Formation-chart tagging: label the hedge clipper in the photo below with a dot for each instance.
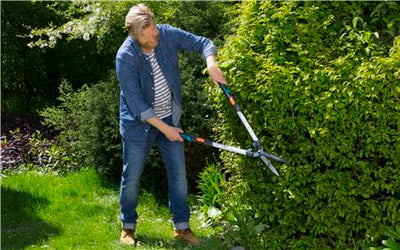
(259, 153)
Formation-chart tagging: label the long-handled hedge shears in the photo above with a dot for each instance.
(259, 153)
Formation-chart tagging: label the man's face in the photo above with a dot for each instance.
(148, 38)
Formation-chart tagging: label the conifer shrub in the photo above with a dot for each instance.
(320, 84)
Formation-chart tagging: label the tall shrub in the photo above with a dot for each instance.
(319, 81)
(88, 123)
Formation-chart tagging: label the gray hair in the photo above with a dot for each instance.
(138, 18)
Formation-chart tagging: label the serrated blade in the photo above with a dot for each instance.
(268, 163)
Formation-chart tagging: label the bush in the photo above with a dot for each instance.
(88, 123)
(319, 81)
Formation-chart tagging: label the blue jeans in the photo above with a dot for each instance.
(135, 152)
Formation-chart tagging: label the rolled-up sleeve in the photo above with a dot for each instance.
(128, 78)
(147, 114)
(188, 41)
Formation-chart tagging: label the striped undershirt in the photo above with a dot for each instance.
(162, 93)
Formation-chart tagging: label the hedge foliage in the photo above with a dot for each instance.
(320, 83)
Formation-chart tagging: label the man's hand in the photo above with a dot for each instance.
(216, 75)
(173, 133)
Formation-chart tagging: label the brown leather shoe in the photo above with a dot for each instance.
(187, 235)
(127, 237)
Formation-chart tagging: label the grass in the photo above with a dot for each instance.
(77, 211)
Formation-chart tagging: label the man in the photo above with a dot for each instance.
(150, 110)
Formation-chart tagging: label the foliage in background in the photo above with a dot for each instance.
(30, 76)
(319, 81)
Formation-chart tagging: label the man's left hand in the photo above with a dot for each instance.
(216, 75)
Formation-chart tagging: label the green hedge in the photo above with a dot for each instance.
(319, 81)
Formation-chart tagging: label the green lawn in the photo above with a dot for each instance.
(78, 212)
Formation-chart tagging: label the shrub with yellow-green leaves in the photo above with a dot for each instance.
(320, 84)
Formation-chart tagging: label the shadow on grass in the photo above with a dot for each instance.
(20, 225)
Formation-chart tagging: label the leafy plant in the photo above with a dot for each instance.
(243, 225)
(25, 150)
(319, 83)
(393, 240)
(210, 184)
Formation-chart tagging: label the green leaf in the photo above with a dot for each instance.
(391, 244)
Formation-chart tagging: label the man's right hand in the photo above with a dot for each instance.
(172, 133)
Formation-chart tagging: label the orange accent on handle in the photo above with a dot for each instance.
(232, 101)
(201, 140)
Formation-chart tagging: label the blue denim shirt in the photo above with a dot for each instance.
(135, 76)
